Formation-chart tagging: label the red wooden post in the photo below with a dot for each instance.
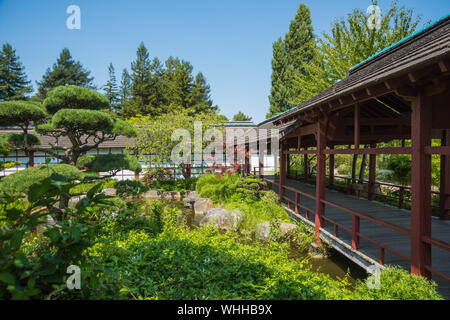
(445, 179)
(247, 159)
(282, 171)
(188, 170)
(372, 174)
(355, 231)
(331, 170)
(320, 178)
(136, 175)
(297, 203)
(306, 166)
(421, 186)
(381, 256)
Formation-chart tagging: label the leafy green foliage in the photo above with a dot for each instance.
(109, 162)
(37, 269)
(20, 113)
(222, 188)
(130, 188)
(155, 133)
(398, 284)
(351, 42)
(240, 116)
(74, 97)
(14, 185)
(401, 168)
(16, 140)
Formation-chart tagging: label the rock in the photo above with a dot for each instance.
(110, 192)
(74, 200)
(236, 218)
(192, 195)
(263, 231)
(218, 217)
(201, 206)
(172, 196)
(287, 229)
(152, 195)
(190, 198)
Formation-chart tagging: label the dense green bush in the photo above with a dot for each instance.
(398, 284)
(204, 264)
(33, 263)
(14, 185)
(181, 185)
(130, 188)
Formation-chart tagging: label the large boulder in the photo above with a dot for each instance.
(218, 217)
(202, 205)
(110, 192)
(171, 196)
(287, 229)
(236, 218)
(152, 195)
(190, 198)
(263, 231)
(74, 200)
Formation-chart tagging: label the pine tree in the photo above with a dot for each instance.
(241, 117)
(178, 80)
(14, 84)
(201, 95)
(125, 87)
(140, 84)
(66, 71)
(279, 94)
(290, 55)
(111, 89)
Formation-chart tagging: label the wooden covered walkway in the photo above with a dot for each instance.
(375, 241)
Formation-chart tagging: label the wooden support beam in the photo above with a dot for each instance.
(320, 179)
(372, 174)
(282, 171)
(331, 170)
(357, 126)
(420, 186)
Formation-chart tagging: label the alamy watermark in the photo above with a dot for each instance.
(374, 281)
(74, 280)
(374, 19)
(234, 142)
(73, 22)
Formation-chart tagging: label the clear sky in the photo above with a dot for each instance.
(229, 41)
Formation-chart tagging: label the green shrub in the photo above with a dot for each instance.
(130, 188)
(398, 284)
(14, 185)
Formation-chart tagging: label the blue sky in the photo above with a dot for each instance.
(229, 41)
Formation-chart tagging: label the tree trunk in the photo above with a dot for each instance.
(362, 169)
(355, 160)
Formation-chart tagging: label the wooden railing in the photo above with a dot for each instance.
(296, 205)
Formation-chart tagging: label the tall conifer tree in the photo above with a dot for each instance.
(111, 89)
(66, 71)
(14, 84)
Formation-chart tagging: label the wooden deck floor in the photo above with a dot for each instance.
(390, 238)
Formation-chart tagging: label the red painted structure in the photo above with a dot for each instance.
(401, 94)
